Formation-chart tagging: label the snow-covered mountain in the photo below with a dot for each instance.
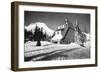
(46, 29)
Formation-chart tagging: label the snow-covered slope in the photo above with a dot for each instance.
(31, 50)
(46, 29)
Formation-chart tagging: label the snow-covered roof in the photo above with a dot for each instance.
(60, 27)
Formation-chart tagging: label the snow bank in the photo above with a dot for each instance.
(36, 50)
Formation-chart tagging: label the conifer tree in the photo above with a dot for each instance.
(38, 35)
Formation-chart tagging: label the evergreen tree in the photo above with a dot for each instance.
(28, 35)
(35, 37)
(44, 36)
(25, 35)
(38, 35)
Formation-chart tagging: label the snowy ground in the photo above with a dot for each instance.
(51, 51)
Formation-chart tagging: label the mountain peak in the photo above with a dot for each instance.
(46, 29)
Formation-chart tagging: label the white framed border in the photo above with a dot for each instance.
(23, 64)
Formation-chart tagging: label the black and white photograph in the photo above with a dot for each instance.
(56, 36)
(51, 36)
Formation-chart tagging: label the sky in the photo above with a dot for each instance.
(53, 19)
